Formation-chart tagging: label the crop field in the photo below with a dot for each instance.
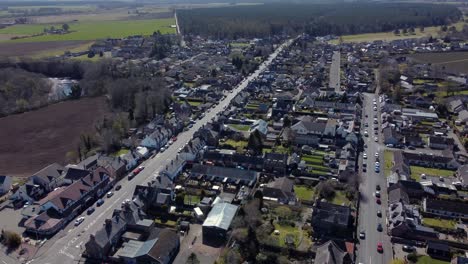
(45, 135)
(40, 49)
(389, 36)
(93, 30)
(452, 61)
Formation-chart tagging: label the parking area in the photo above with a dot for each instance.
(10, 219)
(192, 242)
(399, 253)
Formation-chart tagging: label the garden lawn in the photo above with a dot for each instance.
(304, 192)
(416, 172)
(93, 30)
(235, 144)
(340, 198)
(388, 161)
(120, 152)
(429, 260)
(165, 222)
(240, 127)
(284, 231)
(194, 103)
(435, 222)
(191, 199)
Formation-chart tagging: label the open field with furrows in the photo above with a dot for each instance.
(39, 49)
(92, 30)
(389, 36)
(456, 62)
(31, 140)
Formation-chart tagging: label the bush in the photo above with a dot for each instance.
(11, 239)
(412, 257)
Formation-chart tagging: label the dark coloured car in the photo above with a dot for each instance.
(377, 187)
(378, 201)
(90, 210)
(100, 202)
(118, 187)
(379, 227)
(379, 213)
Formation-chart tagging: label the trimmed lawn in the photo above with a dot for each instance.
(165, 222)
(340, 198)
(429, 260)
(284, 231)
(312, 159)
(416, 172)
(303, 192)
(239, 44)
(435, 222)
(240, 127)
(388, 161)
(191, 199)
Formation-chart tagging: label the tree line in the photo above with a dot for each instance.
(314, 19)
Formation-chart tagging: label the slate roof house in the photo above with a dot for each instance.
(280, 190)
(64, 203)
(233, 159)
(225, 175)
(330, 253)
(446, 208)
(5, 184)
(49, 177)
(331, 220)
(104, 242)
(436, 142)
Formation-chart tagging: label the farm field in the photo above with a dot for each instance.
(452, 61)
(40, 49)
(92, 30)
(389, 36)
(45, 135)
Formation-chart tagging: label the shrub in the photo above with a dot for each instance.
(11, 239)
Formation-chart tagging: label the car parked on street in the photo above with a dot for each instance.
(100, 202)
(79, 220)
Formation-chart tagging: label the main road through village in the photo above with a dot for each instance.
(68, 245)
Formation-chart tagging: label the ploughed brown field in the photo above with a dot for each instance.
(34, 48)
(455, 62)
(32, 140)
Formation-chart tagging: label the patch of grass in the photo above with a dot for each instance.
(252, 106)
(194, 103)
(191, 199)
(416, 172)
(286, 230)
(239, 127)
(93, 30)
(236, 144)
(388, 161)
(429, 260)
(304, 192)
(442, 223)
(165, 222)
(340, 198)
(239, 44)
(120, 152)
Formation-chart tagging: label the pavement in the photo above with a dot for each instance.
(68, 245)
(368, 220)
(335, 73)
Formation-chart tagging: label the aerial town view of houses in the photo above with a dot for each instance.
(204, 141)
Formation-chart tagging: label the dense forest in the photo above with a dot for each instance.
(315, 19)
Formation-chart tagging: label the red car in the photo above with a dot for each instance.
(174, 139)
(379, 247)
(138, 170)
(378, 201)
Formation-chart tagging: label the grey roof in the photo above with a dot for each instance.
(133, 249)
(223, 172)
(330, 253)
(2, 178)
(221, 216)
(106, 234)
(50, 172)
(331, 213)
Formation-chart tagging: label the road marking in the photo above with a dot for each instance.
(370, 260)
(63, 252)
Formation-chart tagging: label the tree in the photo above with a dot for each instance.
(444, 28)
(214, 73)
(11, 239)
(91, 54)
(405, 31)
(75, 92)
(255, 144)
(283, 212)
(179, 200)
(326, 190)
(193, 259)
(65, 27)
(259, 195)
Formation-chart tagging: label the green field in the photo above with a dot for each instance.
(93, 30)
